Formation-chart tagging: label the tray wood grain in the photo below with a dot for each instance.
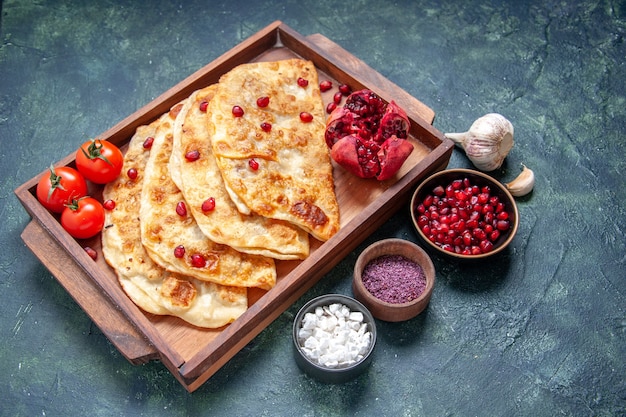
(192, 354)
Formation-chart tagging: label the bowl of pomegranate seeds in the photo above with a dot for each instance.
(394, 279)
(464, 214)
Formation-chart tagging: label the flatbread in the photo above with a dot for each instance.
(163, 229)
(294, 179)
(150, 287)
(201, 179)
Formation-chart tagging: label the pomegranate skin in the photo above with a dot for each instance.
(392, 155)
(368, 136)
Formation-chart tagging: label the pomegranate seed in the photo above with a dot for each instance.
(337, 97)
(261, 102)
(325, 86)
(503, 215)
(203, 106)
(91, 252)
(181, 209)
(179, 251)
(147, 144)
(345, 89)
(237, 111)
(253, 164)
(439, 191)
(109, 205)
(306, 117)
(208, 205)
(502, 225)
(331, 107)
(198, 261)
(192, 155)
(485, 246)
(493, 236)
(303, 82)
(132, 173)
(266, 127)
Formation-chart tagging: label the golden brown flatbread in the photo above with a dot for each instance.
(164, 228)
(291, 175)
(200, 180)
(203, 304)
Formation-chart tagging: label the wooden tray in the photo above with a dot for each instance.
(192, 354)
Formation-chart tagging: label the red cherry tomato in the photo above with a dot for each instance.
(59, 187)
(99, 161)
(84, 218)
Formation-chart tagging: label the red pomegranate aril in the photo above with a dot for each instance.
(179, 251)
(483, 198)
(499, 207)
(253, 164)
(325, 86)
(330, 107)
(426, 229)
(203, 106)
(488, 218)
(428, 201)
(91, 252)
(198, 261)
(237, 111)
(422, 220)
(261, 102)
(439, 191)
(337, 97)
(467, 238)
(132, 173)
(485, 246)
(493, 236)
(303, 82)
(503, 215)
(181, 209)
(457, 184)
(488, 228)
(479, 234)
(502, 225)
(266, 127)
(192, 155)
(109, 205)
(421, 209)
(345, 89)
(306, 117)
(208, 205)
(147, 144)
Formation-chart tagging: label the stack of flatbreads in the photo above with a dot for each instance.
(218, 197)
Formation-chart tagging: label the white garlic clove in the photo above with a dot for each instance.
(523, 184)
(487, 142)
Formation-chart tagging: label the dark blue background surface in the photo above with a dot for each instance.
(540, 330)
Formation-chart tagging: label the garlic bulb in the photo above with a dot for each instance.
(487, 142)
(523, 184)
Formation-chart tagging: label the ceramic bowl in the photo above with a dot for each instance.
(341, 373)
(480, 179)
(393, 311)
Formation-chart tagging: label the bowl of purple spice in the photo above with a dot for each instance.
(394, 279)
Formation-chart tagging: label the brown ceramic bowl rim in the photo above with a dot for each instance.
(459, 173)
(425, 262)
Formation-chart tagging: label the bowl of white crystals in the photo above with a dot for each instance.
(334, 336)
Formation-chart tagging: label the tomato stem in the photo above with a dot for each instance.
(94, 151)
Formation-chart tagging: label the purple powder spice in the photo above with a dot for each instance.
(394, 279)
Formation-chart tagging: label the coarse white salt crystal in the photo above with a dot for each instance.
(334, 336)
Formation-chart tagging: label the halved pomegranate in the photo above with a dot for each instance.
(368, 136)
